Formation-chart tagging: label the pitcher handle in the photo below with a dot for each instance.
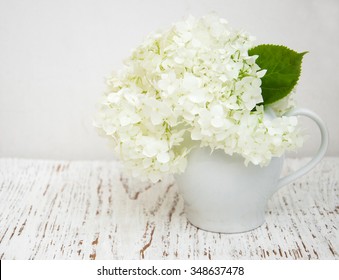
(321, 151)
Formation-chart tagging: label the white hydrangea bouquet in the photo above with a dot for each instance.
(200, 83)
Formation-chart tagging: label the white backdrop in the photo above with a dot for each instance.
(54, 56)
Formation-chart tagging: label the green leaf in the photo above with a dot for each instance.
(283, 70)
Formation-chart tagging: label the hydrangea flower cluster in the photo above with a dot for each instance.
(192, 85)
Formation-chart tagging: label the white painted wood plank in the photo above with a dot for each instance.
(89, 210)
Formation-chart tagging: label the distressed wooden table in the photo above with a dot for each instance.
(90, 210)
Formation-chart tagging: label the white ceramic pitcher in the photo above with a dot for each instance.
(222, 195)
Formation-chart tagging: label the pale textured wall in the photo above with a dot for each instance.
(54, 56)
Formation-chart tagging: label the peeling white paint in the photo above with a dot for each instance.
(89, 210)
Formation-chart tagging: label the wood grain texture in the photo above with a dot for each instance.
(90, 210)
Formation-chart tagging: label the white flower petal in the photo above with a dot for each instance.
(190, 82)
(163, 157)
(217, 122)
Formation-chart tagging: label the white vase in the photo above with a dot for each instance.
(222, 195)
